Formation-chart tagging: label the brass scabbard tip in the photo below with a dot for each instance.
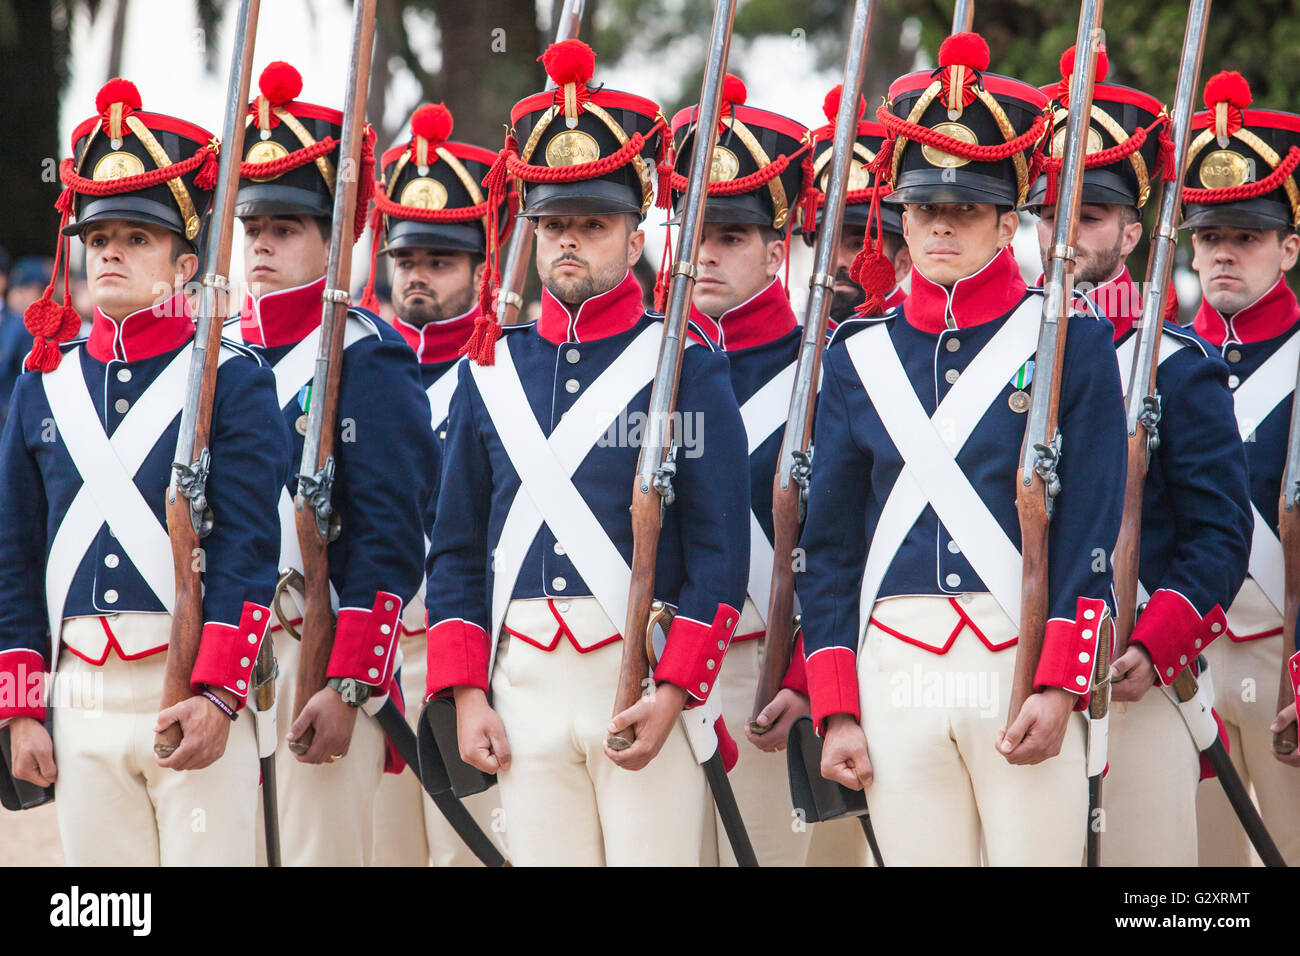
(298, 747)
(163, 750)
(617, 743)
(758, 728)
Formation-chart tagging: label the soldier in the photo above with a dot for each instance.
(385, 460)
(86, 580)
(1195, 507)
(533, 541)
(1244, 242)
(429, 185)
(862, 182)
(740, 298)
(841, 842)
(937, 389)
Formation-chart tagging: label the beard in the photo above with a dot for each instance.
(843, 303)
(1101, 267)
(431, 308)
(576, 290)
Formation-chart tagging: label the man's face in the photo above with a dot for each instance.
(950, 241)
(1103, 241)
(1237, 266)
(129, 266)
(579, 257)
(430, 285)
(735, 264)
(282, 252)
(848, 295)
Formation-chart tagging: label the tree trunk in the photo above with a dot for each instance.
(29, 145)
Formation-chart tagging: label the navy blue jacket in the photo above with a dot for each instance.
(704, 545)
(38, 482)
(856, 464)
(385, 455)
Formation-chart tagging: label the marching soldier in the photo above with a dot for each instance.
(740, 298)
(85, 464)
(1244, 240)
(862, 182)
(1195, 509)
(438, 254)
(532, 543)
(919, 430)
(385, 462)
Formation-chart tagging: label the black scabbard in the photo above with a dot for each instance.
(18, 794)
(1093, 853)
(725, 800)
(270, 811)
(448, 804)
(1242, 804)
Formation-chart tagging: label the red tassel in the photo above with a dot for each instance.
(1171, 304)
(481, 347)
(807, 202)
(207, 175)
(1165, 156)
(50, 325)
(873, 271)
(64, 204)
(665, 267)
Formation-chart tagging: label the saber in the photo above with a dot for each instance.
(189, 518)
(514, 268)
(1199, 717)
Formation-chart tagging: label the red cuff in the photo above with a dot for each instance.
(365, 642)
(22, 684)
(1173, 632)
(693, 653)
(796, 675)
(228, 653)
(457, 656)
(1293, 671)
(832, 684)
(1069, 653)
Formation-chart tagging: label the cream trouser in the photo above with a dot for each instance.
(327, 811)
(941, 789)
(1149, 792)
(1246, 678)
(564, 803)
(116, 806)
(760, 780)
(409, 830)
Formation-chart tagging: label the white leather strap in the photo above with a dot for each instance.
(930, 474)
(1169, 344)
(440, 393)
(112, 496)
(545, 465)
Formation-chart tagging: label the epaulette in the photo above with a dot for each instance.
(239, 348)
(367, 317)
(697, 334)
(1190, 337)
(68, 346)
(515, 327)
(855, 324)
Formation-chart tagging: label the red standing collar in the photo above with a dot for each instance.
(761, 319)
(1267, 317)
(142, 334)
(986, 295)
(283, 317)
(601, 316)
(1119, 300)
(438, 341)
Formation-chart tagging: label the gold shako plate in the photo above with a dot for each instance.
(117, 166)
(937, 157)
(571, 148)
(265, 151)
(424, 193)
(1223, 168)
(724, 165)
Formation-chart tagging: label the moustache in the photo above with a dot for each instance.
(844, 275)
(568, 258)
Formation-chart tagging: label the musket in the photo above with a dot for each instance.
(652, 489)
(1141, 398)
(1288, 522)
(963, 16)
(189, 519)
(315, 518)
(514, 268)
(790, 484)
(1037, 482)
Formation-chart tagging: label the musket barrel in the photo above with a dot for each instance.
(963, 16)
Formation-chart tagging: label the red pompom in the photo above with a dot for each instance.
(964, 49)
(1229, 86)
(1103, 64)
(569, 61)
(432, 121)
(117, 90)
(831, 105)
(44, 318)
(280, 82)
(733, 90)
